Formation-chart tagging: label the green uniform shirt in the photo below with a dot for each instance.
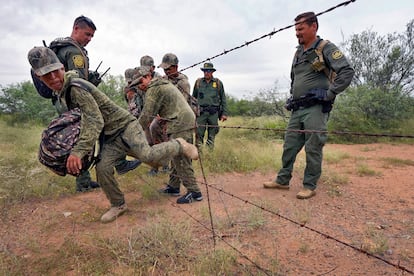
(73, 59)
(98, 113)
(304, 77)
(163, 98)
(210, 94)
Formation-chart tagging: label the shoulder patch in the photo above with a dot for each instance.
(78, 61)
(337, 54)
(214, 84)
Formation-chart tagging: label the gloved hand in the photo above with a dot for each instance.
(322, 94)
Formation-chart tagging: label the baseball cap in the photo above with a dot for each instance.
(208, 66)
(43, 60)
(140, 72)
(146, 61)
(129, 74)
(168, 60)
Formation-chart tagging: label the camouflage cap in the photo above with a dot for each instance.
(129, 74)
(168, 60)
(146, 61)
(208, 66)
(43, 60)
(140, 72)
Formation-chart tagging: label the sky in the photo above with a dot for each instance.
(194, 31)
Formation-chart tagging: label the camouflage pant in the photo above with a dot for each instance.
(206, 118)
(310, 118)
(182, 168)
(133, 143)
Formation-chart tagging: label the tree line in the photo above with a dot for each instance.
(380, 98)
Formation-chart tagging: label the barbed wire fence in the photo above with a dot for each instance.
(221, 191)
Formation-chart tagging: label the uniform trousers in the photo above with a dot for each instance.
(307, 119)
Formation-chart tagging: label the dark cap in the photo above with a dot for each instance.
(146, 61)
(208, 66)
(168, 60)
(129, 74)
(43, 60)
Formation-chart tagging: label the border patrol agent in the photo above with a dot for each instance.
(211, 97)
(319, 72)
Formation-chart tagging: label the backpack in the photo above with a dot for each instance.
(57, 142)
(61, 136)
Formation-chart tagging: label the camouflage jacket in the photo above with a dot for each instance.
(163, 98)
(182, 83)
(99, 113)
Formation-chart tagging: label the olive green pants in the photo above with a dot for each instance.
(307, 119)
(204, 119)
(132, 142)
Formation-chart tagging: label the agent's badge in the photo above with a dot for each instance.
(337, 54)
(214, 84)
(78, 61)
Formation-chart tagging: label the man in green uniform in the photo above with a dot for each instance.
(312, 94)
(123, 135)
(164, 99)
(209, 92)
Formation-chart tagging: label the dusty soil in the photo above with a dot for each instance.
(361, 222)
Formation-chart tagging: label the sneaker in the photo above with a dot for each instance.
(152, 172)
(127, 166)
(91, 185)
(170, 191)
(94, 185)
(113, 213)
(189, 150)
(190, 197)
(305, 193)
(274, 185)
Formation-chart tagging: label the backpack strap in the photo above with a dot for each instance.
(96, 156)
(76, 83)
(60, 42)
(330, 74)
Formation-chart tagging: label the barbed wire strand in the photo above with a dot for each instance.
(221, 190)
(247, 43)
(206, 227)
(332, 132)
(286, 218)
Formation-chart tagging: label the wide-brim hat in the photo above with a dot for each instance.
(208, 66)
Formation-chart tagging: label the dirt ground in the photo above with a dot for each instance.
(361, 222)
